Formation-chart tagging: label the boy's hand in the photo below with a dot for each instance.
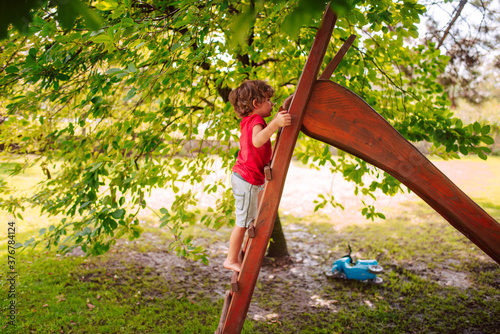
(261, 135)
(283, 118)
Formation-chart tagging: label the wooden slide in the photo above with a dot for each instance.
(333, 114)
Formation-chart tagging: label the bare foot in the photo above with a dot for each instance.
(236, 266)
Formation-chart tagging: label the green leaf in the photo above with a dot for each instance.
(175, 46)
(118, 214)
(86, 231)
(413, 32)
(131, 68)
(485, 129)
(92, 20)
(241, 25)
(477, 127)
(130, 94)
(11, 69)
(463, 150)
(487, 140)
(307, 10)
(107, 5)
(96, 100)
(67, 14)
(114, 70)
(163, 222)
(29, 242)
(96, 166)
(69, 10)
(102, 38)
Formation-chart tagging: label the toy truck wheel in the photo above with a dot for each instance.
(375, 269)
(334, 274)
(376, 281)
(337, 273)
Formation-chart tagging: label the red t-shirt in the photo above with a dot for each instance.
(251, 160)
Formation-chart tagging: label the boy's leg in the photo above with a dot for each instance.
(233, 261)
(246, 204)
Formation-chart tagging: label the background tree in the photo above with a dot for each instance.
(468, 32)
(109, 113)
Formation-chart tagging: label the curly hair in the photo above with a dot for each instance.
(242, 97)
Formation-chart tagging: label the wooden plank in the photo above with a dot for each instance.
(225, 307)
(337, 116)
(272, 192)
(327, 73)
(234, 283)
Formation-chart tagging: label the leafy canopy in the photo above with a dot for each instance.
(141, 103)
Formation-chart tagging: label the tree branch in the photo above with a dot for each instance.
(452, 22)
(265, 61)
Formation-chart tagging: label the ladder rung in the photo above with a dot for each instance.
(234, 282)
(268, 173)
(251, 229)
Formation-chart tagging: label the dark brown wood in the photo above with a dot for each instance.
(277, 247)
(251, 229)
(337, 116)
(225, 307)
(327, 73)
(268, 173)
(234, 282)
(272, 192)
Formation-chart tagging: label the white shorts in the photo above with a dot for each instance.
(246, 198)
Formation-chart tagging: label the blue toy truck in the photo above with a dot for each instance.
(362, 270)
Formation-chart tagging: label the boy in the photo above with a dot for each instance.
(251, 101)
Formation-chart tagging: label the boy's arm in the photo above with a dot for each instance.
(261, 135)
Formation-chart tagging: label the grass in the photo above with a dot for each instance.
(67, 294)
(124, 291)
(417, 255)
(23, 184)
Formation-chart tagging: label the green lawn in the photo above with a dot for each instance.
(436, 281)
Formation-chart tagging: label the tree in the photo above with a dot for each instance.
(20, 14)
(467, 32)
(114, 108)
(277, 247)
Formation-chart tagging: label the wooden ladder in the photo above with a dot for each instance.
(333, 114)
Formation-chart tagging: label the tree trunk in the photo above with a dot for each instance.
(277, 247)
